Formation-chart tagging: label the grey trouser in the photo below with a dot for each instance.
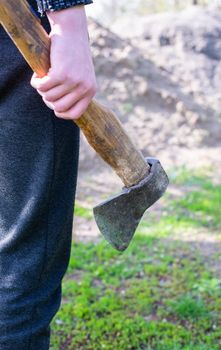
(38, 170)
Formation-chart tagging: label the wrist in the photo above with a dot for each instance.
(68, 20)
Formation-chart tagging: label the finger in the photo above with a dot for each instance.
(55, 93)
(49, 105)
(67, 102)
(44, 84)
(75, 111)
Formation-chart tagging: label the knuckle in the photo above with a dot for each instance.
(45, 96)
(88, 87)
(59, 80)
(42, 88)
(59, 107)
(48, 96)
(49, 105)
(58, 77)
(85, 85)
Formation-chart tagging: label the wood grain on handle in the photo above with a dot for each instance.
(101, 127)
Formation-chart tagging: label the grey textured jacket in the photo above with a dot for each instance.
(54, 5)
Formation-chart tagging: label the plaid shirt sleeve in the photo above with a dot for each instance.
(54, 5)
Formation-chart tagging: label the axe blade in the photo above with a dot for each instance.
(118, 217)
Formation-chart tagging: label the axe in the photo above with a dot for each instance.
(144, 179)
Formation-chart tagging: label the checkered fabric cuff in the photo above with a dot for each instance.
(55, 5)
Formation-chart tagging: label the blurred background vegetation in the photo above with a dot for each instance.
(149, 6)
(107, 11)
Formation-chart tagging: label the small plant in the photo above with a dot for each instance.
(188, 307)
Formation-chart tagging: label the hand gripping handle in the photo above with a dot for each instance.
(101, 127)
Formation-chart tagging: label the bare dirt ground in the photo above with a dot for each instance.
(162, 77)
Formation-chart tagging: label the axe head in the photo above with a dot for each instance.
(118, 217)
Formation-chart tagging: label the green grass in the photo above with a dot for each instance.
(83, 212)
(200, 205)
(160, 294)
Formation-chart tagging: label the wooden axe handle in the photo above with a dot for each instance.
(101, 127)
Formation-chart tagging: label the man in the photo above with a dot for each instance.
(38, 170)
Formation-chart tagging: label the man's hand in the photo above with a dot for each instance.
(70, 83)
